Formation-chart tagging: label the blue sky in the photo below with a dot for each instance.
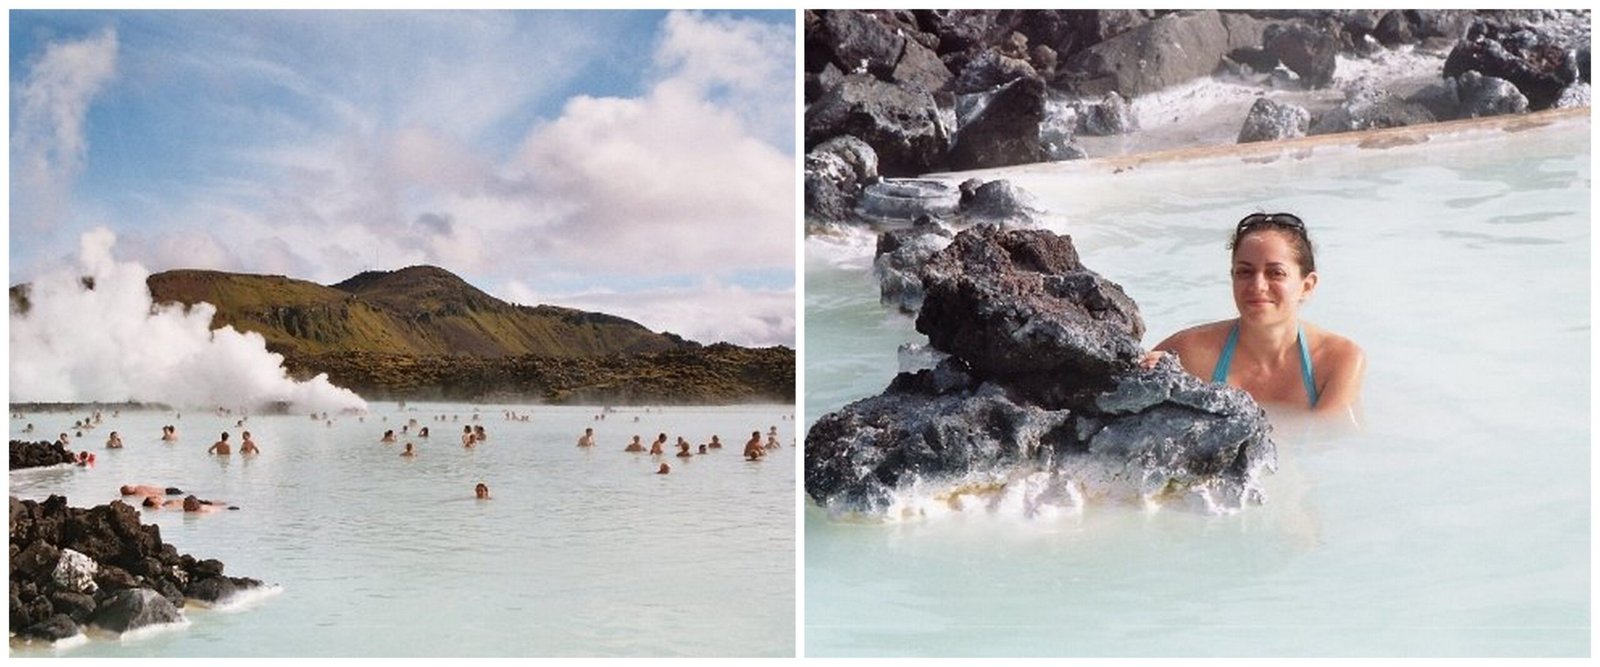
(638, 163)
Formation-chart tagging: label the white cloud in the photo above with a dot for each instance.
(48, 145)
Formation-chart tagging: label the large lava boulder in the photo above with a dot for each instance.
(903, 126)
(1019, 305)
(133, 609)
(1538, 64)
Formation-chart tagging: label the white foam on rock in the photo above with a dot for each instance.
(242, 601)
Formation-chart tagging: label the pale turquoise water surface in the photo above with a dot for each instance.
(580, 552)
(1456, 524)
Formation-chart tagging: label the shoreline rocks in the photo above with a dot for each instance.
(1037, 398)
(929, 90)
(39, 454)
(74, 567)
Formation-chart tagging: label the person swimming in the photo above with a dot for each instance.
(249, 446)
(658, 447)
(683, 449)
(482, 491)
(702, 449)
(409, 451)
(468, 439)
(715, 443)
(752, 447)
(388, 436)
(664, 469)
(587, 440)
(114, 442)
(635, 446)
(221, 447)
(1268, 351)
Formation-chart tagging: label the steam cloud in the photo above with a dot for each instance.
(110, 343)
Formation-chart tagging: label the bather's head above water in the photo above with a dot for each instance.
(1272, 269)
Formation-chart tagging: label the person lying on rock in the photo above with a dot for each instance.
(149, 490)
(1268, 351)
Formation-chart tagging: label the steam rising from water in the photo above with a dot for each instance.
(110, 343)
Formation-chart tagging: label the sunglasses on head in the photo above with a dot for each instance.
(1289, 220)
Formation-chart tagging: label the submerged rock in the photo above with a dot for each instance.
(899, 259)
(906, 199)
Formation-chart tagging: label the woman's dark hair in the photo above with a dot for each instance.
(1293, 229)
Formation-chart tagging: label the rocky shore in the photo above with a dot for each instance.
(1035, 397)
(38, 454)
(701, 375)
(75, 568)
(895, 94)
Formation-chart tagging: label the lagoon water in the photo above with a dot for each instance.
(580, 552)
(1456, 524)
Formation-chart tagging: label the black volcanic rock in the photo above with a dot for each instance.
(1536, 63)
(1018, 305)
(38, 454)
(1005, 130)
(1304, 50)
(1488, 96)
(1040, 402)
(835, 172)
(1273, 121)
(99, 566)
(902, 125)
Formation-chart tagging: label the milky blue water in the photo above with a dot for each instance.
(1456, 524)
(579, 552)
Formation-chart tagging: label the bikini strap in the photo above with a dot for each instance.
(1305, 368)
(1219, 373)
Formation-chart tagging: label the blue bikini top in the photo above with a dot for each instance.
(1220, 373)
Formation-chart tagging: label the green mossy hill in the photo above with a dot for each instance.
(419, 310)
(692, 374)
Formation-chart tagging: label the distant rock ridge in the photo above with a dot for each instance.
(423, 332)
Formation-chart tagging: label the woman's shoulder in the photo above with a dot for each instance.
(1336, 349)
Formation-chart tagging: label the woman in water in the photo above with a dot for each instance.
(1269, 351)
